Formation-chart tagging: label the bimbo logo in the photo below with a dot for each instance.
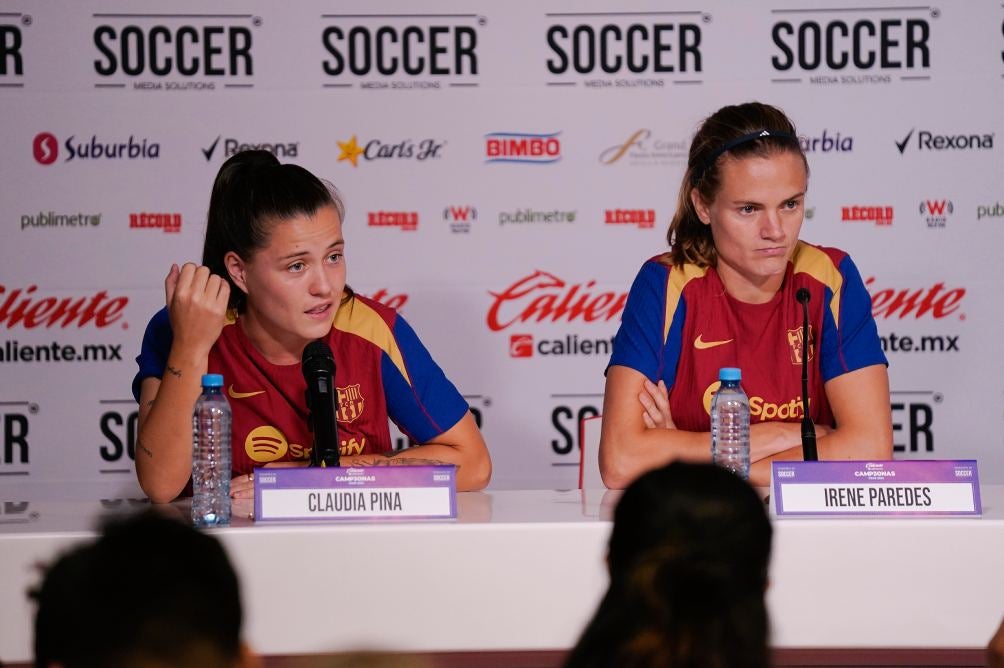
(522, 148)
(542, 296)
(900, 303)
(24, 308)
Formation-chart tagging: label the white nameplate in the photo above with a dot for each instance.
(875, 489)
(398, 492)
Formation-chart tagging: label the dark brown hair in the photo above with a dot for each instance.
(253, 191)
(690, 239)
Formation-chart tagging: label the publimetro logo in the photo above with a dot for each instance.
(168, 222)
(522, 148)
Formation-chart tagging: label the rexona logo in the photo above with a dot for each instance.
(399, 52)
(936, 302)
(173, 52)
(835, 47)
(621, 49)
(827, 143)
(45, 149)
(460, 217)
(406, 220)
(52, 220)
(880, 215)
(168, 222)
(232, 146)
(24, 308)
(929, 141)
(639, 149)
(936, 211)
(542, 297)
(420, 150)
(520, 147)
(643, 218)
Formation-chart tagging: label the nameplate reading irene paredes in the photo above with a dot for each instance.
(372, 493)
(922, 488)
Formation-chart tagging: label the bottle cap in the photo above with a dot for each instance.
(212, 380)
(729, 373)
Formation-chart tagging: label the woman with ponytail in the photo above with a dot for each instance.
(688, 560)
(272, 280)
(724, 295)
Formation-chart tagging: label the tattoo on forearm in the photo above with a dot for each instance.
(388, 459)
(145, 450)
(174, 372)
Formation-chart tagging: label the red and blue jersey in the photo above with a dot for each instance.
(382, 371)
(679, 325)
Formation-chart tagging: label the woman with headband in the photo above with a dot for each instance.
(725, 296)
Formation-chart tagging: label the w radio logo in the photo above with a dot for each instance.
(460, 218)
(937, 211)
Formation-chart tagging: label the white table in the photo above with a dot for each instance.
(523, 570)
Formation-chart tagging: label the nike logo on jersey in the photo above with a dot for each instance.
(242, 395)
(701, 344)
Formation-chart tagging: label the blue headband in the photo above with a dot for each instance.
(729, 145)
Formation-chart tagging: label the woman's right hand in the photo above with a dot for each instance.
(197, 304)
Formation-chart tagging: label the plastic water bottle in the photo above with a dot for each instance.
(730, 424)
(211, 455)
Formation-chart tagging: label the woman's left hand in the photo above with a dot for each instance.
(242, 487)
(655, 401)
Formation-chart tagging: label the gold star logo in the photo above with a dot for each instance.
(350, 151)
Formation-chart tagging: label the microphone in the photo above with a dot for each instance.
(808, 429)
(318, 367)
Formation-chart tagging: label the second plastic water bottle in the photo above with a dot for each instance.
(211, 455)
(730, 424)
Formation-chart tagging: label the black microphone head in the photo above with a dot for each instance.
(802, 295)
(317, 358)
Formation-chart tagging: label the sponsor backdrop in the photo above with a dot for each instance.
(507, 168)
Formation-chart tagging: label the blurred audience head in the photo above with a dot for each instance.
(688, 561)
(150, 592)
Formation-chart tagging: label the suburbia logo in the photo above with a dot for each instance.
(376, 149)
(232, 146)
(935, 302)
(460, 218)
(45, 148)
(826, 143)
(25, 308)
(522, 148)
(880, 215)
(406, 220)
(152, 53)
(643, 218)
(640, 151)
(168, 222)
(543, 297)
(833, 50)
(936, 211)
(929, 141)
